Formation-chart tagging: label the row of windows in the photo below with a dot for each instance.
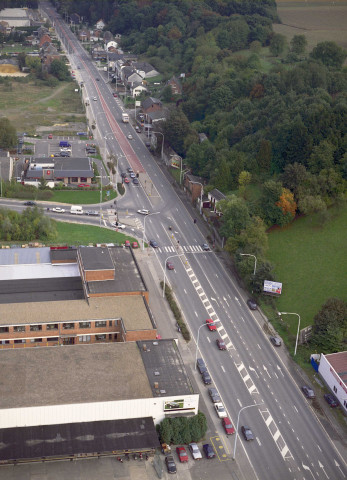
(80, 339)
(55, 326)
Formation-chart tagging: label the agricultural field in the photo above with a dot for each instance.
(318, 20)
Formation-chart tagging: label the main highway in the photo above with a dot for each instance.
(290, 442)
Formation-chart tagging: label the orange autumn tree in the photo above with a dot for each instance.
(287, 203)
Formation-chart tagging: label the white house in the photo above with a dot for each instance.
(333, 369)
(100, 24)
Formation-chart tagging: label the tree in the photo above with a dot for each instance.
(287, 204)
(272, 191)
(294, 176)
(59, 70)
(277, 44)
(330, 327)
(42, 184)
(165, 431)
(298, 44)
(252, 239)
(8, 137)
(264, 155)
(322, 156)
(329, 54)
(311, 204)
(235, 215)
(166, 94)
(176, 128)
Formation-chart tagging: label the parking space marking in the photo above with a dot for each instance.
(220, 449)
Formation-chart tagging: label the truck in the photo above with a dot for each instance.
(125, 118)
(64, 143)
(76, 210)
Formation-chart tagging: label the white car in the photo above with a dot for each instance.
(58, 210)
(220, 410)
(130, 137)
(195, 451)
(120, 225)
(65, 149)
(95, 99)
(143, 211)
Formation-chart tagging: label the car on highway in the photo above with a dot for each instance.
(130, 137)
(252, 304)
(126, 180)
(58, 210)
(95, 99)
(308, 391)
(195, 451)
(132, 175)
(135, 245)
(209, 452)
(332, 401)
(228, 426)
(205, 247)
(220, 410)
(130, 169)
(30, 203)
(247, 433)
(170, 265)
(118, 225)
(276, 341)
(127, 243)
(221, 344)
(201, 365)
(182, 454)
(153, 244)
(143, 211)
(206, 378)
(213, 393)
(93, 213)
(211, 325)
(135, 181)
(170, 464)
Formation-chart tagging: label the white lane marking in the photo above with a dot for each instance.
(239, 401)
(238, 301)
(259, 442)
(223, 368)
(185, 291)
(296, 409)
(208, 339)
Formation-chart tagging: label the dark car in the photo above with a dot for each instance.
(329, 397)
(30, 203)
(205, 247)
(135, 181)
(308, 392)
(201, 365)
(276, 341)
(97, 79)
(64, 154)
(206, 378)
(252, 304)
(209, 452)
(123, 174)
(91, 150)
(130, 169)
(247, 433)
(148, 144)
(213, 393)
(153, 244)
(170, 464)
(221, 344)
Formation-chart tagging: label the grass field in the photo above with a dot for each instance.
(77, 234)
(311, 261)
(83, 197)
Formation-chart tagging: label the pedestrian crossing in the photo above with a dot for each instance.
(181, 248)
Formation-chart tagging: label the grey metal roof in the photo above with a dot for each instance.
(25, 256)
(164, 366)
(73, 167)
(31, 271)
(215, 193)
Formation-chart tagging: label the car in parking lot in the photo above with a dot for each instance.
(195, 451)
(182, 454)
(91, 150)
(247, 433)
(170, 464)
(206, 378)
(211, 325)
(209, 452)
(221, 344)
(170, 265)
(213, 393)
(136, 181)
(65, 149)
(308, 391)
(228, 426)
(276, 341)
(252, 304)
(50, 136)
(220, 410)
(143, 211)
(135, 245)
(30, 203)
(201, 365)
(205, 247)
(153, 244)
(58, 210)
(332, 401)
(64, 154)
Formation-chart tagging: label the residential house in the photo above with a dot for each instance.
(45, 40)
(100, 25)
(137, 88)
(151, 104)
(5, 28)
(48, 54)
(146, 70)
(175, 85)
(214, 197)
(193, 186)
(84, 35)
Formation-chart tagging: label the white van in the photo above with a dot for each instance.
(76, 209)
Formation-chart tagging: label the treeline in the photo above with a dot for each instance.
(182, 430)
(18, 4)
(27, 226)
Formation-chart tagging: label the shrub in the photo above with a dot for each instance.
(181, 430)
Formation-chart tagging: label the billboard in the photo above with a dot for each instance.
(175, 161)
(174, 404)
(273, 288)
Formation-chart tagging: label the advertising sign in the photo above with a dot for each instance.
(175, 161)
(272, 287)
(174, 404)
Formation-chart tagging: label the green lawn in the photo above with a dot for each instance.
(83, 197)
(310, 260)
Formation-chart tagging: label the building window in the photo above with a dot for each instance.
(3, 329)
(4, 342)
(19, 328)
(35, 328)
(22, 340)
(84, 324)
(52, 339)
(84, 180)
(68, 326)
(74, 179)
(84, 338)
(100, 324)
(100, 338)
(52, 326)
(36, 340)
(110, 323)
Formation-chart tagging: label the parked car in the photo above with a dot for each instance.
(308, 391)
(182, 454)
(209, 452)
(213, 393)
(92, 212)
(252, 304)
(170, 265)
(276, 341)
(205, 247)
(201, 365)
(97, 79)
(64, 154)
(50, 136)
(127, 243)
(138, 129)
(126, 180)
(30, 203)
(143, 211)
(153, 244)
(58, 210)
(332, 401)
(95, 99)
(135, 245)
(221, 344)
(195, 451)
(206, 378)
(115, 94)
(211, 325)
(228, 426)
(170, 464)
(247, 433)
(220, 410)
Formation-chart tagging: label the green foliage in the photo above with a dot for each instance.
(8, 137)
(298, 44)
(59, 69)
(329, 54)
(27, 226)
(182, 430)
(330, 327)
(176, 128)
(235, 215)
(176, 312)
(277, 44)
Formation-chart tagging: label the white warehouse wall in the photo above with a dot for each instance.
(333, 380)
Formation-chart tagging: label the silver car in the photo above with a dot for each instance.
(195, 451)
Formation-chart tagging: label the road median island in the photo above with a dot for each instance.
(176, 312)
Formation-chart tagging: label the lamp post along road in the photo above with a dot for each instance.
(297, 334)
(255, 260)
(237, 425)
(197, 342)
(144, 228)
(171, 256)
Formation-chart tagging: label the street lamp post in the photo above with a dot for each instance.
(201, 193)
(297, 334)
(144, 228)
(255, 260)
(197, 342)
(171, 256)
(162, 145)
(237, 425)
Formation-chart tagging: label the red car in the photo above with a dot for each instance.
(126, 180)
(221, 344)
(115, 94)
(212, 327)
(135, 245)
(182, 454)
(50, 136)
(170, 266)
(127, 243)
(228, 426)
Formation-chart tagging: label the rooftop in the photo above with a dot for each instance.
(339, 363)
(96, 258)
